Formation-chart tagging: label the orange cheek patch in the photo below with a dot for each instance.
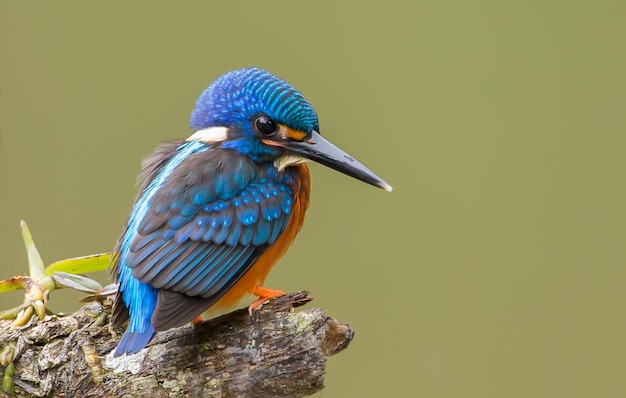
(295, 134)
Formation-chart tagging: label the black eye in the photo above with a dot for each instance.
(265, 125)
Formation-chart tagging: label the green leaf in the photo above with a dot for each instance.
(77, 282)
(7, 379)
(108, 290)
(13, 312)
(35, 263)
(14, 283)
(81, 265)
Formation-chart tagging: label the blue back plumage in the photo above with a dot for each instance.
(140, 330)
(236, 95)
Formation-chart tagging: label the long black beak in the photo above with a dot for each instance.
(318, 149)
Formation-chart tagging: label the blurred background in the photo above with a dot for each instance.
(496, 268)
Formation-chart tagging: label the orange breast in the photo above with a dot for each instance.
(261, 268)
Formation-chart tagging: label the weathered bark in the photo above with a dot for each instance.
(276, 352)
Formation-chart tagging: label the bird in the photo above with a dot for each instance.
(217, 210)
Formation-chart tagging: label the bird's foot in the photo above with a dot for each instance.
(197, 320)
(263, 295)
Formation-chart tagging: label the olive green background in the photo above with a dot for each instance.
(496, 268)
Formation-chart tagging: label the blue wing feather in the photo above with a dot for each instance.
(181, 279)
(199, 226)
(199, 231)
(177, 279)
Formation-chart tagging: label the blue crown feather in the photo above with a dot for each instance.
(237, 96)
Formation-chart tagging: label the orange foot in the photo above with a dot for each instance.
(197, 320)
(263, 295)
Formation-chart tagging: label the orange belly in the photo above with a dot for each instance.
(261, 268)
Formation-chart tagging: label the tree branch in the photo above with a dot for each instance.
(276, 352)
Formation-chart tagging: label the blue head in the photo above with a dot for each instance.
(238, 96)
(253, 104)
(261, 116)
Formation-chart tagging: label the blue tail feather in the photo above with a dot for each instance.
(133, 342)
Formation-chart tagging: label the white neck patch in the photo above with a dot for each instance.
(210, 135)
(288, 160)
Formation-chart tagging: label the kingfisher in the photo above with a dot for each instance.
(217, 210)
